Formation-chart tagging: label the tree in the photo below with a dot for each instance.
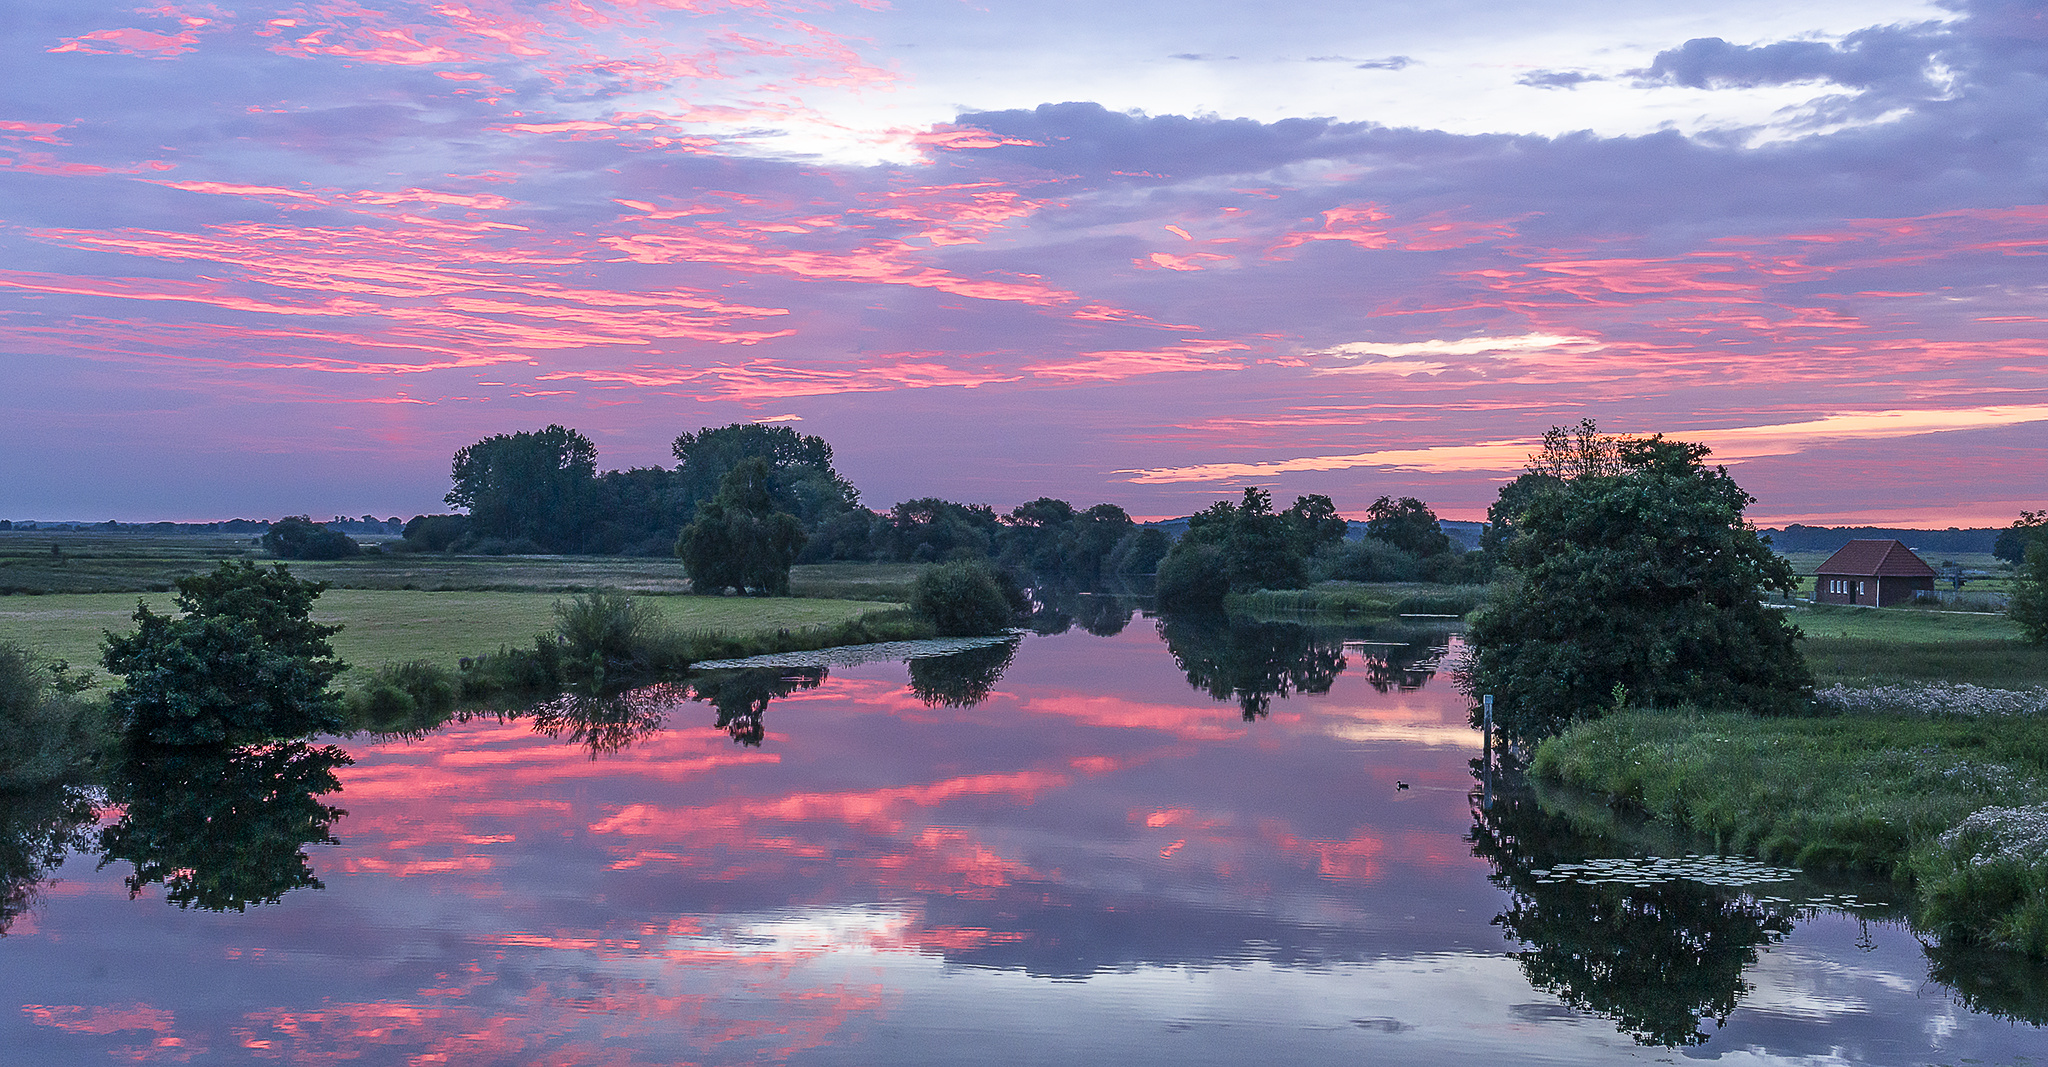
(537, 486)
(299, 537)
(1643, 585)
(1315, 522)
(801, 478)
(245, 662)
(2029, 604)
(929, 529)
(2012, 542)
(1407, 524)
(740, 540)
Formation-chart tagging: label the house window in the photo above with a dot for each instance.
(1859, 588)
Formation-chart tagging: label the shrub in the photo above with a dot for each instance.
(402, 697)
(965, 598)
(46, 734)
(1195, 577)
(1986, 880)
(245, 662)
(605, 631)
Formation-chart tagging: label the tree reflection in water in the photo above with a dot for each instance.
(605, 723)
(222, 828)
(1251, 662)
(1402, 659)
(742, 694)
(962, 679)
(1055, 609)
(2005, 984)
(37, 828)
(1658, 960)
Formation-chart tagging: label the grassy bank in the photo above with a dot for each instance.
(383, 627)
(1954, 803)
(1358, 600)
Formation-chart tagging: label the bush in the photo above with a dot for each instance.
(244, 663)
(434, 533)
(605, 631)
(403, 697)
(46, 735)
(965, 598)
(1986, 880)
(1194, 578)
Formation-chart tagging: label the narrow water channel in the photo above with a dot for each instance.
(1151, 844)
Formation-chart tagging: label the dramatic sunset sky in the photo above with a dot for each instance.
(259, 259)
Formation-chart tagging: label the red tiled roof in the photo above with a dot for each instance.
(1876, 559)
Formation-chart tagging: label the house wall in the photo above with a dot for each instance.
(1895, 591)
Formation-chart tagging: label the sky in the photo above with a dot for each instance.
(268, 259)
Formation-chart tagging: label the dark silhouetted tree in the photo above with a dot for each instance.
(740, 540)
(1408, 525)
(536, 486)
(298, 537)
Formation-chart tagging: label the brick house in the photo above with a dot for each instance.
(1872, 572)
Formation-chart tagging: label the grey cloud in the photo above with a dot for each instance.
(1888, 57)
(1388, 63)
(1557, 79)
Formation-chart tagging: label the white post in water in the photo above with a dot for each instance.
(1486, 760)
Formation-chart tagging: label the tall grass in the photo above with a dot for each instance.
(1359, 600)
(47, 735)
(1891, 794)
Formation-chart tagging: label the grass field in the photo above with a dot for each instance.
(92, 561)
(392, 626)
(1869, 646)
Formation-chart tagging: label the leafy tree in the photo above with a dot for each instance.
(740, 539)
(222, 828)
(1315, 522)
(741, 696)
(299, 537)
(801, 478)
(1408, 525)
(1658, 960)
(2012, 542)
(244, 662)
(1051, 539)
(1139, 552)
(538, 486)
(2029, 604)
(1646, 583)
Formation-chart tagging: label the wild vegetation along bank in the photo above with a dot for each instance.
(1629, 641)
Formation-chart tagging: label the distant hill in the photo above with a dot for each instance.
(1798, 538)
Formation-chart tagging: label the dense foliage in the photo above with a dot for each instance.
(48, 732)
(1238, 548)
(527, 486)
(966, 598)
(2030, 528)
(1643, 585)
(245, 662)
(2029, 604)
(299, 537)
(1408, 525)
(741, 539)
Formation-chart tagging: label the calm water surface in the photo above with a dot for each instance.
(1059, 852)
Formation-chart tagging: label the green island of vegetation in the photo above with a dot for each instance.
(1640, 638)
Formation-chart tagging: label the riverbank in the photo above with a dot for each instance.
(1944, 789)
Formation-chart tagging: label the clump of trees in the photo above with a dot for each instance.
(2029, 528)
(1632, 577)
(1241, 547)
(299, 537)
